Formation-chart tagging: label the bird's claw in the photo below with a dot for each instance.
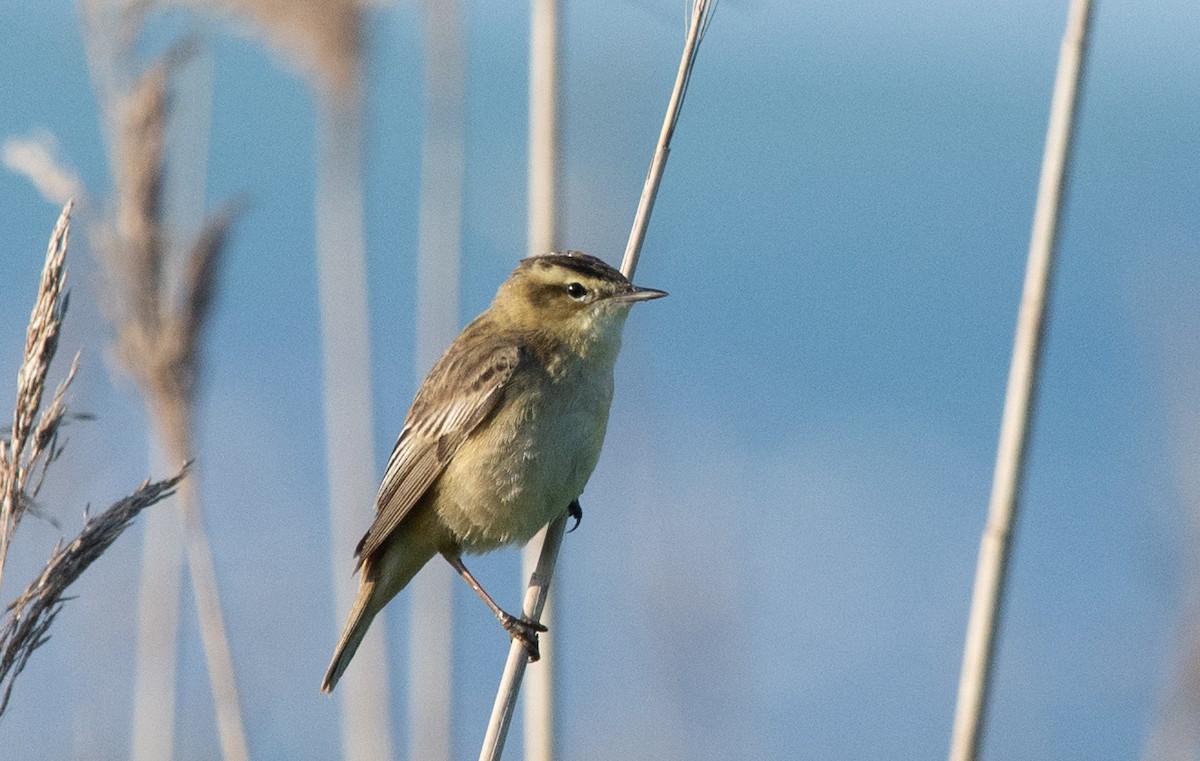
(576, 512)
(524, 631)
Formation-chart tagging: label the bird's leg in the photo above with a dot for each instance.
(520, 629)
(576, 512)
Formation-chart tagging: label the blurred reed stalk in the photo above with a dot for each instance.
(539, 582)
(184, 193)
(323, 39)
(349, 430)
(1020, 396)
(439, 251)
(159, 305)
(30, 447)
(544, 167)
(1175, 733)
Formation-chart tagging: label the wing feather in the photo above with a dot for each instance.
(460, 392)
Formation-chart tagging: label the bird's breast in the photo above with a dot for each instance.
(528, 461)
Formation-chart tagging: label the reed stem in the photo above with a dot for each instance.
(539, 582)
(1020, 397)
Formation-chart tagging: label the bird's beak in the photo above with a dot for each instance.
(636, 293)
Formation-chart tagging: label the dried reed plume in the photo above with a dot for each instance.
(32, 613)
(322, 38)
(36, 158)
(158, 318)
(33, 427)
(158, 308)
(31, 447)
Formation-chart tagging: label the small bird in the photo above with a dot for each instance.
(502, 435)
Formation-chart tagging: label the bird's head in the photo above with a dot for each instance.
(574, 297)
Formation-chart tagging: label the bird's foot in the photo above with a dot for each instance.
(524, 631)
(576, 512)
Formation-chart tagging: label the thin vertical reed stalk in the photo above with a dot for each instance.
(544, 160)
(1175, 732)
(701, 15)
(156, 658)
(1020, 396)
(439, 244)
(349, 430)
(539, 582)
(163, 541)
(324, 41)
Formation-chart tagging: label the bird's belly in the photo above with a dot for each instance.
(524, 469)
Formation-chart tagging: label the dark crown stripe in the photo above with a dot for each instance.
(577, 261)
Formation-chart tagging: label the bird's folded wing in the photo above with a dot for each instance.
(460, 392)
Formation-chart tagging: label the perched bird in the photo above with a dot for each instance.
(502, 436)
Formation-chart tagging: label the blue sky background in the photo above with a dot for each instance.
(779, 542)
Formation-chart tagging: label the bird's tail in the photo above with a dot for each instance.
(383, 575)
(356, 627)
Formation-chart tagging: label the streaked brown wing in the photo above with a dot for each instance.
(459, 393)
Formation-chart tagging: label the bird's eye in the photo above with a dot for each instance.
(577, 291)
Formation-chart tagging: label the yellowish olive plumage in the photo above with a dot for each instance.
(503, 434)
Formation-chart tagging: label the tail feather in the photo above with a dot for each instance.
(356, 627)
(383, 575)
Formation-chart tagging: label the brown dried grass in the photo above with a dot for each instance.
(26, 454)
